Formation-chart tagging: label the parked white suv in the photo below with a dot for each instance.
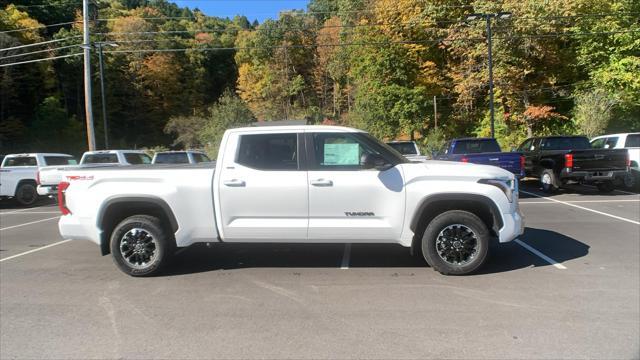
(180, 157)
(295, 184)
(50, 176)
(19, 174)
(629, 141)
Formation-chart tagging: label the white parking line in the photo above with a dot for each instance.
(25, 209)
(29, 223)
(29, 213)
(34, 250)
(581, 201)
(544, 257)
(583, 208)
(345, 257)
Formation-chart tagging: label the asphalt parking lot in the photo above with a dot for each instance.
(568, 288)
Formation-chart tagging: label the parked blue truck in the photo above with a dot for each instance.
(481, 151)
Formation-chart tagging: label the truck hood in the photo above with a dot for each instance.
(459, 170)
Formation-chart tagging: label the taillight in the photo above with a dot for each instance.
(62, 200)
(37, 177)
(521, 162)
(568, 161)
(464, 159)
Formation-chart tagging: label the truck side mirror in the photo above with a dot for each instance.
(373, 161)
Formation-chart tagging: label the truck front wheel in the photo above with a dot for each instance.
(140, 245)
(455, 243)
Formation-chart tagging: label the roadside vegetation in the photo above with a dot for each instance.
(178, 78)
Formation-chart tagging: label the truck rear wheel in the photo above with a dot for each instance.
(455, 243)
(548, 181)
(26, 194)
(140, 245)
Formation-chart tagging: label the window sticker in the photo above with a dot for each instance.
(341, 154)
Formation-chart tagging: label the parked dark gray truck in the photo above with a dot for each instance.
(560, 160)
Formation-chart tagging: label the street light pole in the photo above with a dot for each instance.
(104, 106)
(491, 109)
(88, 111)
(487, 18)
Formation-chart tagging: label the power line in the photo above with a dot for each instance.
(39, 51)
(38, 60)
(40, 43)
(38, 27)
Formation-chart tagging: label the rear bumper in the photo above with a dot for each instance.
(47, 190)
(604, 175)
(73, 227)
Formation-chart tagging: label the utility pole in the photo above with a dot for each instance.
(88, 111)
(490, 60)
(487, 18)
(435, 111)
(102, 95)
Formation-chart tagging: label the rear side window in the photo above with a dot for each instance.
(21, 161)
(198, 158)
(172, 158)
(269, 151)
(59, 160)
(476, 147)
(598, 143)
(100, 159)
(137, 158)
(633, 140)
(525, 146)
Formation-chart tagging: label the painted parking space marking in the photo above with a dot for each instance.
(34, 250)
(583, 208)
(536, 252)
(582, 201)
(29, 223)
(10, 211)
(30, 213)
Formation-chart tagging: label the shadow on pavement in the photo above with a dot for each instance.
(512, 256)
(504, 257)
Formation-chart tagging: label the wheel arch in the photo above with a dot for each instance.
(430, 207)
(116, 209)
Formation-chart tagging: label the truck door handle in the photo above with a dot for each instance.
(321, 182)
(234, 183)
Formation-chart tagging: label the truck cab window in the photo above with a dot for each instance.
(339, 151)
(137, 158)
(21, 161)
(269, 151)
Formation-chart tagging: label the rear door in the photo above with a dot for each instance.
(262, 188)
(347, 201)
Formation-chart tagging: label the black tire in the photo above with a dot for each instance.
(548, 181)
(149, 244)
(26, 194)
(435, 242)
(606, 186)
(630, 180)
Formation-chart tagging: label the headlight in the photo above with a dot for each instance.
(508, 186)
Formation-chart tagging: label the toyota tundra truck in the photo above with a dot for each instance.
(293, 184)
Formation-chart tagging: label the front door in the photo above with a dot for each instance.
(262, 188)
(347, 200)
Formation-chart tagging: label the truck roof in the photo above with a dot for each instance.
(36, 154)
(473, 138)
(288, 128)
(112, 151)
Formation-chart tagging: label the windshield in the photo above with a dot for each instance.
(100, 159)
(404, 148)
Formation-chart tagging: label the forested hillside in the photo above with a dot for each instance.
(176, 77)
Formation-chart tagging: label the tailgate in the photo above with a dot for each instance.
(508, 161)
(599, 159)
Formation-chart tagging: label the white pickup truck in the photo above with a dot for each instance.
(50, 176)
(19, 174)
(293, 184)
